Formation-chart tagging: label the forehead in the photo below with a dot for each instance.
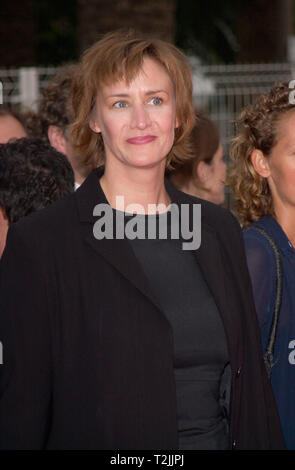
(10, 128)
(151, 74)
(286, 127)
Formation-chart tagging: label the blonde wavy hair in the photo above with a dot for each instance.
(257, 128)
(119, 55)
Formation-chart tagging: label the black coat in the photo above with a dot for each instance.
(88, 354)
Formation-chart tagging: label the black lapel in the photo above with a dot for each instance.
(120, 254)
(117, 252)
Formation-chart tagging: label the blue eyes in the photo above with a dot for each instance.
(120, 104)
(155, 101)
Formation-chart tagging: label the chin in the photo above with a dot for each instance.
(147, 163)
(220, 201)
(217, 199)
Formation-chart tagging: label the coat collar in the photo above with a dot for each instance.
(90, 193)
(120, 254)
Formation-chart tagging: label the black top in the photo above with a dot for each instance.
(200, 348)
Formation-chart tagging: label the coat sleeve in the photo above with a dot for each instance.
(25, 372)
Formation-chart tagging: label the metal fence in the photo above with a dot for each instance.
(221, 91)
(23, 86)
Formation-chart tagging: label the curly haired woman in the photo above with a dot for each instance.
(263, 180)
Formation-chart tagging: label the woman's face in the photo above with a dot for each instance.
(215, 180)
(137, 121)
(281, 164)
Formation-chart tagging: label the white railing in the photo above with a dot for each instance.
(231, 87)
(23, 86)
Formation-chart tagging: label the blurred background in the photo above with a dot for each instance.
(237, 49)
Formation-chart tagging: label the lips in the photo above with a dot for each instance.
(140, 140)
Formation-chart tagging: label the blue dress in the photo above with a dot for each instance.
(262, 267)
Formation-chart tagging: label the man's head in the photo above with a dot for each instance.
(32, 176)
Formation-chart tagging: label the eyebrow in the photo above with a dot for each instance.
(154, 92)
(126, 95)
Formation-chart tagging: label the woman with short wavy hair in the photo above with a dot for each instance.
(143, 340)
(119, 55)
(263, 179)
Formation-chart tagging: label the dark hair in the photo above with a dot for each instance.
(32, 175)
(205, 140)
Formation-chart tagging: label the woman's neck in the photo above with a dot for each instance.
(285, 216)
(191, 188)
(136, 186)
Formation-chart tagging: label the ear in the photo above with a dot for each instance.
(3, 217)
(94, 126)
(203, 171)
(260, 163)
(93, 123)
(57, 139)
(177, 122)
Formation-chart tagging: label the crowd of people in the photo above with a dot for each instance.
(131, 341)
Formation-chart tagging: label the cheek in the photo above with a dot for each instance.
(220, 173)
(281, 173)
(110, 129)
(287, 179)
(223, 171)
(166, 120)
(170, 136)
(282, 180)
(170, 129)
(70, 151)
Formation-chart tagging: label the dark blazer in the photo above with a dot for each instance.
(88, 353)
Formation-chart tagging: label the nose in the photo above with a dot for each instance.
(140, 118)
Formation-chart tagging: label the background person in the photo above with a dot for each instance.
(203, 175)
(32, 176)
(52, 121)
(12, 125)
(263, 180)
(139, 343)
